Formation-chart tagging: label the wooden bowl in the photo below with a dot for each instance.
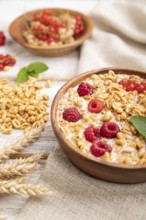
(112, 172)
(18, 26)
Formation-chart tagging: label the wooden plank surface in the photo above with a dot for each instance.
(11, 205)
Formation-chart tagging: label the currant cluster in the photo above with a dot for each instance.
(51, 34)
(79, 28)
(2, 38)
(6, 60)
(47, 26)
(131, 85)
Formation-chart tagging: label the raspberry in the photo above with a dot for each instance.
(91, 133)
(95, 105)
(99, 148)
(71, 114)
(84, 89)
(109, 129)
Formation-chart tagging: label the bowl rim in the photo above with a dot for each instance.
(60, 135)
(77, 42)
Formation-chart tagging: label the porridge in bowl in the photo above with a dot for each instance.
(95, 116)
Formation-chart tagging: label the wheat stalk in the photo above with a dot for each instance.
(21, 143)
(31, 159)
(15, 169)
(16, 187)
(20, 180)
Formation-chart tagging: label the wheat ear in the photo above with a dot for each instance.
(21, 143)
(20, 180)
(16, 169)
(15, 187)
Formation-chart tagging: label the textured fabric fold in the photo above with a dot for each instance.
(81, 197)
(119, 37)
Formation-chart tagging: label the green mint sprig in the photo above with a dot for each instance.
(139, 123)
(34, 69)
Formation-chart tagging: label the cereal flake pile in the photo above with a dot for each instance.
(22, 106)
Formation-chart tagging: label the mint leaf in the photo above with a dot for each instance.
(33, 74)
(37, 68)
(34, 69)
(22, 75)
(139, 123)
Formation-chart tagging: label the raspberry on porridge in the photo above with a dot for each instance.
(91, 133)
(84, 89)
(99, 148)
(95, 105)
(109, 130)
(99, 124)
(71, 115)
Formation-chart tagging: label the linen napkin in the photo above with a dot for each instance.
(118, 40)
(119, 36)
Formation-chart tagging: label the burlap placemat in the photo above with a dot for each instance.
(78, 196)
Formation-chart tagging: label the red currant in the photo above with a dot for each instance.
(2, 38)
(12, 62)
(79, 28)
(6, 60)
(1, 67)
(50, 40)
(131, 85)
(56, 37)
(144, 84)
(124, 82)
(36, 16)
(140, 88)
(47, 12)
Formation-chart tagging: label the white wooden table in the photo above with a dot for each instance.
(9, 10)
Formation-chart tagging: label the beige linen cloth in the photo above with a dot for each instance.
(119, 39)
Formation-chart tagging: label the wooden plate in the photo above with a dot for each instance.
(113, 172)
(18, 26)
